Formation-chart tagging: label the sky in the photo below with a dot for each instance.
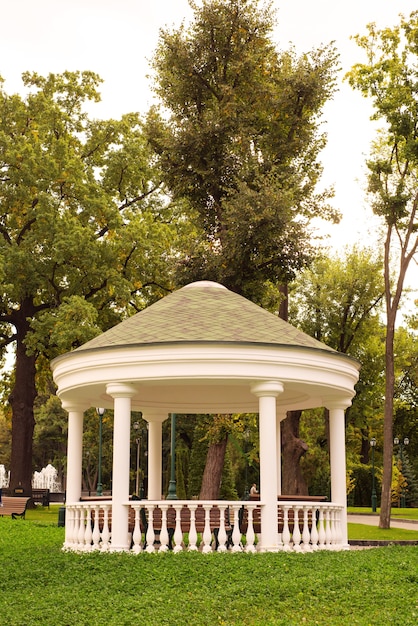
(116, 39)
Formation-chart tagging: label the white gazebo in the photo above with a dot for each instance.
(203, 350)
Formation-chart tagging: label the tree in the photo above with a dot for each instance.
(237, 138)
(337, 300)
(389, 78)
(84, 235)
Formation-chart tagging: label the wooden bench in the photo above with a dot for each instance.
(15, 506)
(280, 514)
(42, 496)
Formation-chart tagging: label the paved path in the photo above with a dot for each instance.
(373, 520)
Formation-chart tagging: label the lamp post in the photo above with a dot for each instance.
(100, 412)
(172, 494)
(246, 438)
(138, 444)
(401, 445)
(374, 497)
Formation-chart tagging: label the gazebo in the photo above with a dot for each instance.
(203, 350)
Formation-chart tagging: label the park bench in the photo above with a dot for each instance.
(41, 496)
(15, 506)
(280, 514)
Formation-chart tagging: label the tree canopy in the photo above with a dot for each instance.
(237, 132)
(389, 78)
(84, 231)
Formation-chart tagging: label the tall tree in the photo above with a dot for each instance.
(237, 136)
(389, 77)
(82, 233)
(238, 139)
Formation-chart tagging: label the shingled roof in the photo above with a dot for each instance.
(203, 312)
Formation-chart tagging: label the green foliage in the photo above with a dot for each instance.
(339, 298)
(238, 139)
(283, 589)
(86, 231)
(389, 78)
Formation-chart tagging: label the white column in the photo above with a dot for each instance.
(74, 460)
(122, 395)
(74, 452)
(338, 463)
(279, 418)
(267, 392)
(155, 454)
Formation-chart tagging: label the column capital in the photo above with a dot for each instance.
(281, 415)
(73, 407)
(150, 416)
(269, 388)
(121, 390)
(342, 403)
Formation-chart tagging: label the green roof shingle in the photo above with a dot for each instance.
(203, 312)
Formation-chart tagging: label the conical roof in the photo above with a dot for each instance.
(204, 312)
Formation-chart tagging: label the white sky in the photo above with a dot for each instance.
(116, 38)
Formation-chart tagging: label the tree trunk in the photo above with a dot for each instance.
(386, 500)
(211, 481)
(21, 400)
(293, 449)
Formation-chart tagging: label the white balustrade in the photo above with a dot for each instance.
(205, 526)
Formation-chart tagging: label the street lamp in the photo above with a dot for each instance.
(141, 432)
(374, 497)
(100, 412)
(401, 445)
(138, 443)
(172, 493)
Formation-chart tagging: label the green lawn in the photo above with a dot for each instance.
(395, 512)
(42, 585)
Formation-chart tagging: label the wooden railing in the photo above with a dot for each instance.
(235, 526)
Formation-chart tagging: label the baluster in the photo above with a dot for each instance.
(69, 528)
(76, 527)
(236, 533)
(88, 535)
(81, 531)
(328, 535)
(250, 536)
(96, 529)
(164, 538)
(314, 530)
(296, 530)
(207, 533)
(321, 530)
(305, 533)
(178, 533)
(222, 536)
(150, 537)
(137, 534)
(105, 529)
(338, 531)
(286, 531)
(192, 532)
(332, 529)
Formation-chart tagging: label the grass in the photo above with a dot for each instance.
(365, 532)
(395, 512)
(41, 585)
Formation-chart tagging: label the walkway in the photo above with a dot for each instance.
(373, 520)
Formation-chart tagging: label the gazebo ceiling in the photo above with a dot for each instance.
(200, 350)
